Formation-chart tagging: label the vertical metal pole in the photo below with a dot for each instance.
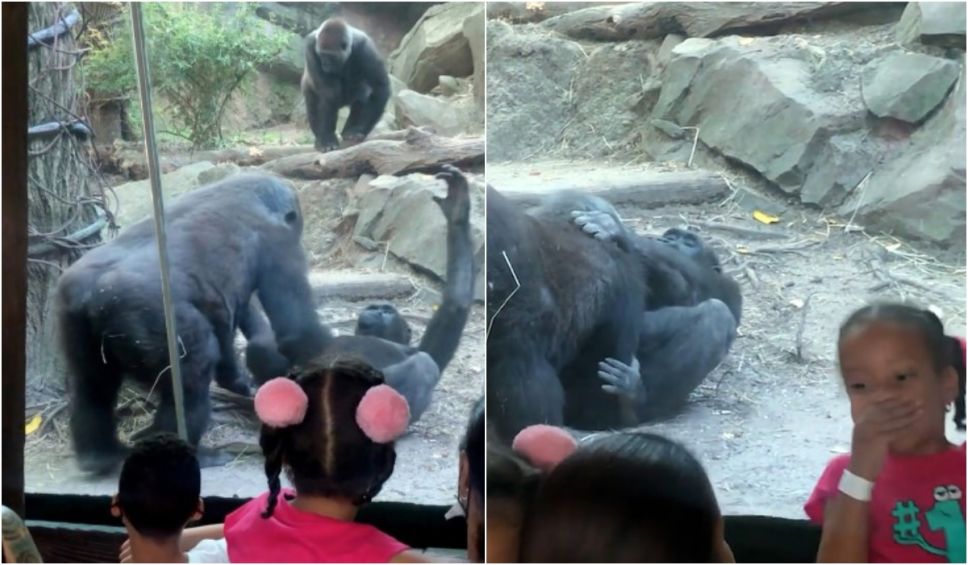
(154, 175)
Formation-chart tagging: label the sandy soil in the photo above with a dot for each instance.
(426, 469)
(768, 419)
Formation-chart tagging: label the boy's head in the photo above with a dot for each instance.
(625, 497)
(899, 352)
(158, 491)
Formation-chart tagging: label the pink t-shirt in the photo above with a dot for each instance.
(293, 536)
(917, 509)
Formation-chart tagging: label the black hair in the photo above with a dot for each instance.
(327, 454)
(625, 497)
(924, 322)
(159, 487)
(473, 445)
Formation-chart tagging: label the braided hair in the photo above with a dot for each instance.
(327, 454)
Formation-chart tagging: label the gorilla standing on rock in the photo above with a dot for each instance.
(692, 315)
(226, 241)
(343, 68)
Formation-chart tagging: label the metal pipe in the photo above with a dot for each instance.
(154, 175)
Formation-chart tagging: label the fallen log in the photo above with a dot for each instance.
(415, 150)
(655, 20)
(352, 286)
(647, 189)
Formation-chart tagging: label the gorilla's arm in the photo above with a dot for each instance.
(679, 346)
(283, 290)
(443, 333)
(373, 70)
(415, 378)
(262, 356)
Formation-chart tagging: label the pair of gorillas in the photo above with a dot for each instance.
(573, 294)
(228, 244)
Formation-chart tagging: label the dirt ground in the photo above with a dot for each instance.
(426, 468)
(769, 418)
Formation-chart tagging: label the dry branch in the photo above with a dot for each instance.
(418, 150)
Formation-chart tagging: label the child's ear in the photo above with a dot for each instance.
(949, 385)
(115, 509)
(199, 510)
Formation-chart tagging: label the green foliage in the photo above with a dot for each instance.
(199, 55)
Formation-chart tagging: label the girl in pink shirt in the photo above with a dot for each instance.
(899, 495)
(331, 429)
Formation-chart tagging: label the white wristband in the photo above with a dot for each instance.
(855, 487)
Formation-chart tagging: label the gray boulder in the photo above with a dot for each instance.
(134, 198)
(445, 116)
(401, 211)
(933, 23)
(474, 32)
(907, 86)
(920, 191)
(436, 46)
(765, 106)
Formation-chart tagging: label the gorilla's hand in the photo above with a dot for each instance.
(602, 226)
(621, 379)
(457, 205)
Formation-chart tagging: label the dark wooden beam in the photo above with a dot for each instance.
(14, 362)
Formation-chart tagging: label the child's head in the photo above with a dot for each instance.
(471, 481)
(625, 497)
(158, 492)
(898, 351)
(332, 428)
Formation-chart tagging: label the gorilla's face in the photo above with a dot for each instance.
(383, 321)
(333, 46)
(690, 245)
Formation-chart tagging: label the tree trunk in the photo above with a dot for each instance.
(62, 198)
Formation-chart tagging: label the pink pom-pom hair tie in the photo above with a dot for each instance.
(544, 446)
(383, 414)
(281, 402)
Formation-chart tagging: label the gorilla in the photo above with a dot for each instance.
(226, 242)
(343, 68)
(382, 337)
(558, 303)
(692, 315)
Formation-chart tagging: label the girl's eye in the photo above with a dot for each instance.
(857, 386)
(903, 377)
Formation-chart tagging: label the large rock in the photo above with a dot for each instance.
(134, 198)
(772, 105)
(528, 74)
(436, 46)
(474, 32)
(287, 65)
(401, 211)
(445, 116)
(933, 23)
(920, 192)
(907, 86)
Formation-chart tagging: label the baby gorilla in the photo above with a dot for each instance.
(343, 68)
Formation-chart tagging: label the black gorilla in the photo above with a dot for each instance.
(558, 303)
(343, 68)
(226, 241)
(692, 315)
(382, 334)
